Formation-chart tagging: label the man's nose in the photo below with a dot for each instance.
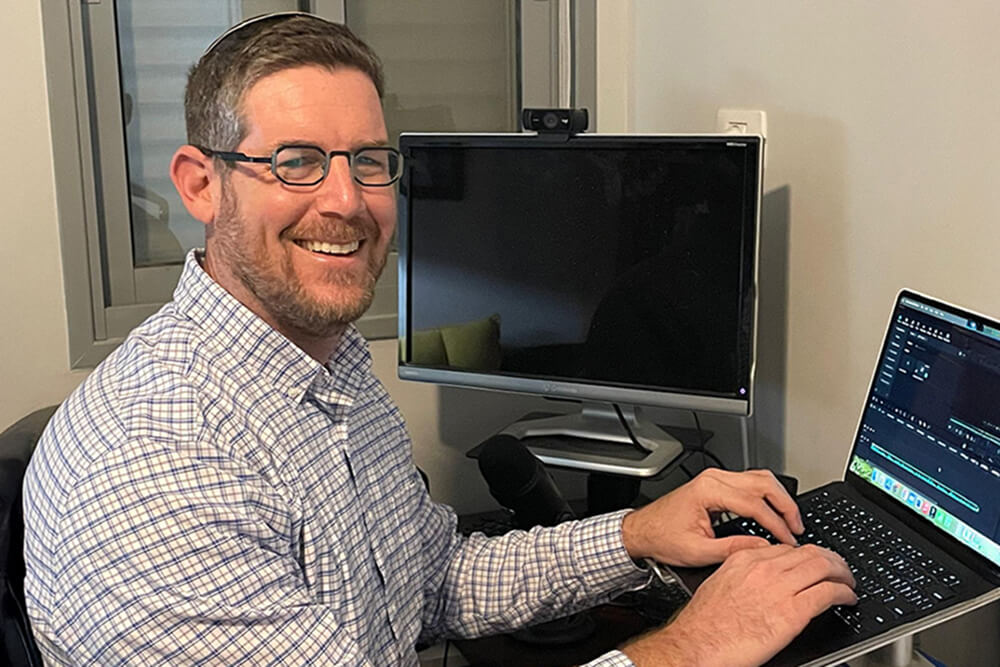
(339, 194)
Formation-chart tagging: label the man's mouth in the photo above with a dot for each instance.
(323, 248)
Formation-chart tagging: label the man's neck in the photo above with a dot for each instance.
(320, 348)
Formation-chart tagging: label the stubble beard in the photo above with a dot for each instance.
(278, 289)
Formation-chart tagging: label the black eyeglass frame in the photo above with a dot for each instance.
(229, 156)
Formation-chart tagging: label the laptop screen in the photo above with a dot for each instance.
(930, 433)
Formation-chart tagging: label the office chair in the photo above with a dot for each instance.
(16, 445)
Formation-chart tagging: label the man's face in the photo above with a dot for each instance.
(307, 256)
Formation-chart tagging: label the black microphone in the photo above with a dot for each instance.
(519, 481)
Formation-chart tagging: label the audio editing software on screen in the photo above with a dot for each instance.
(939, 457)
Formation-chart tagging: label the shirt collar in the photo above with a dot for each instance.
(227, 324)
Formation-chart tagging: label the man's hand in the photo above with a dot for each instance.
(749, 609)
(677, 528)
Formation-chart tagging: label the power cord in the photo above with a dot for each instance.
(628, 430)
(702, 445)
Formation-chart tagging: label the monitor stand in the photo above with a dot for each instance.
(594, 439)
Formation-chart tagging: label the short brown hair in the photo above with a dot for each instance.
(219, 80)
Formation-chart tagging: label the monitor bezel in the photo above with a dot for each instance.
(574, 390)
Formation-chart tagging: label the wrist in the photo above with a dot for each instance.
(665, 647)
(632, 536)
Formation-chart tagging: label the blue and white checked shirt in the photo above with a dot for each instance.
(211, 494)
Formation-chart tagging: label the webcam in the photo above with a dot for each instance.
(554, 120)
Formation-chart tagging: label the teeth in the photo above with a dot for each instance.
(330, 248)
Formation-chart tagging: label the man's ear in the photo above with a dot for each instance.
(194, 176)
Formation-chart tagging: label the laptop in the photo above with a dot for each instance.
(917, 515)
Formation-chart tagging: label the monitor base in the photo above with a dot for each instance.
(607, 446)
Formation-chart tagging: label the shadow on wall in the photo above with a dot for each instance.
(770, 398)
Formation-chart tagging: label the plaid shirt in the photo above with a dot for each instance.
(211, 494)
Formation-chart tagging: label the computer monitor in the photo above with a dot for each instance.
(614, 270)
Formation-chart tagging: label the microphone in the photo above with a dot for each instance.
(519, 482)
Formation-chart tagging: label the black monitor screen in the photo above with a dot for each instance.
(614, 263)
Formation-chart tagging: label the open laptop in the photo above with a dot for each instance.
(917, 516)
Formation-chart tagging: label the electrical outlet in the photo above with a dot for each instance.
(741, 121)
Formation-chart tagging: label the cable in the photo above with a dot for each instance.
(444, 658)
(715, 458)
(701, 434)
(628, 429)
(702, 447)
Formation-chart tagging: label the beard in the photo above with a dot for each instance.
(277, 287)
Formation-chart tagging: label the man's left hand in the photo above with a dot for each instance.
(677, 528)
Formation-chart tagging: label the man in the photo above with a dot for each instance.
(233, 485)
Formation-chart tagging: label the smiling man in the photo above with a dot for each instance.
(299, 244)
(232, 485)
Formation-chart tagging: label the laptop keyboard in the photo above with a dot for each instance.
(894, 578)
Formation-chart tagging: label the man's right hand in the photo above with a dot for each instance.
(750, 608)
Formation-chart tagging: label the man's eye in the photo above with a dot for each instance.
(369, 163)
(297, 163)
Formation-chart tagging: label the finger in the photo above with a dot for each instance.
(753, 506)
(774, 492)
(785, 505)
(808, 565)
(814, 600)
(718, 550)
(747, 557)
(753, 488)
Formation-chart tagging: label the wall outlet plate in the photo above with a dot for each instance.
(741, 121)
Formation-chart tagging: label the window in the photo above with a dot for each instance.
(117, 70)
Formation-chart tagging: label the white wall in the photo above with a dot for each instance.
(34, 349)
(883, 128)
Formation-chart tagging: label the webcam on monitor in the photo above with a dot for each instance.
(555, 120)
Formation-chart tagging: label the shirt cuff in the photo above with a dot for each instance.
(600, 554)
(611, 659)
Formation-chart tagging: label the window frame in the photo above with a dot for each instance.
(93, 202)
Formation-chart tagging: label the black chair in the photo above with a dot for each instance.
(16, 445)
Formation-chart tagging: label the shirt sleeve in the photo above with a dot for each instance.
(187, 563)
(494, 585)
(611, 659)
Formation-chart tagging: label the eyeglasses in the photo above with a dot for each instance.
(305, 165)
